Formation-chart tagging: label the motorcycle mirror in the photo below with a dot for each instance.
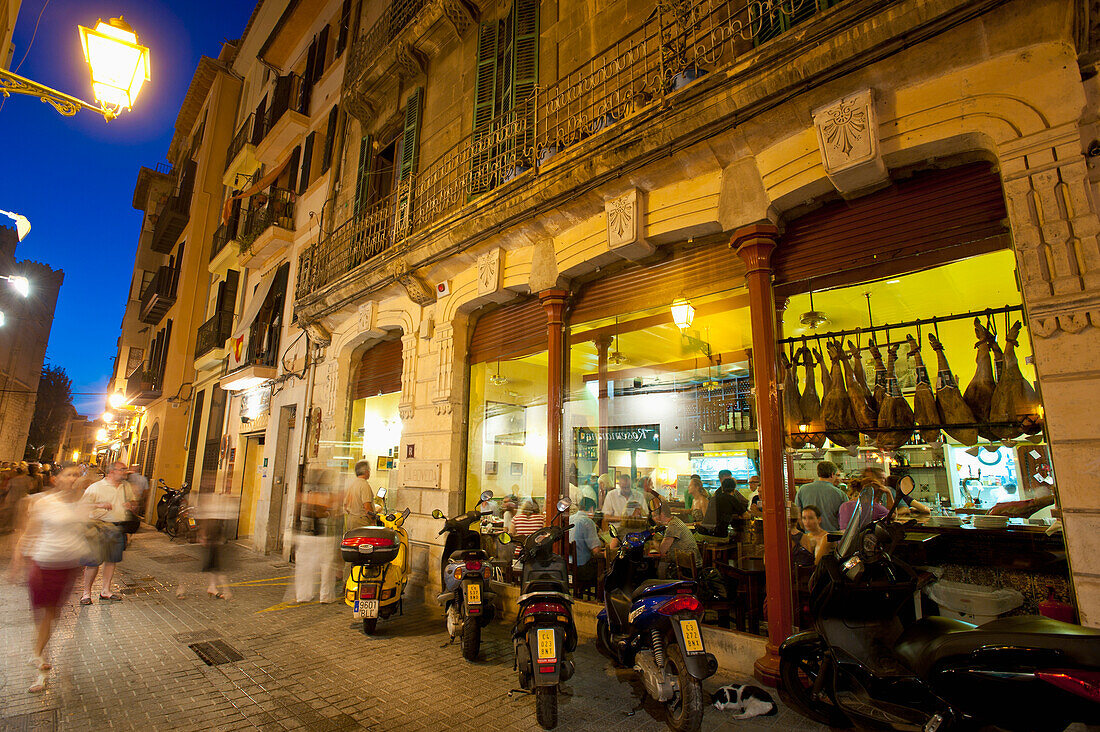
(391, 517)
(564, 504)
(486, 496)
(654, 504)
(437, 514)
(504, 537)
(611, 530)
(485, 507)
(867, 496)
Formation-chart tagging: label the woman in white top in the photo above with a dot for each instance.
(54, 545)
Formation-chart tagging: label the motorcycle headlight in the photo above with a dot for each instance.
(853, 562)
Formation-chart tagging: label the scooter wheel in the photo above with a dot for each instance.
(685, 710)
(546, 706)
(603, 639)
(797, 676)
(471, 639)
(370, 625)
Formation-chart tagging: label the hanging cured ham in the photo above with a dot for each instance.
(792, 411)
(836, 406)
(826, 377)
(895, 414)
(866, 419)
(809, 403)
(861, 376)
(879, 390)
(924, 401)
(1015, 403)
(979, 393)
(955, 415)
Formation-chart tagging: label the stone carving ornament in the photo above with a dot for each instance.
(488, 272)
(847, 136)
(624, 226)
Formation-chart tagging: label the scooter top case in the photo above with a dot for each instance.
(370, 545)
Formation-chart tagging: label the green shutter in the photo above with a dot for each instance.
(410, 146)
(485, 84)
(362, 180)
(525, 56)
(307, 163)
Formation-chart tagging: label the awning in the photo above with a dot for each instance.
(238, 346)
(261, 184)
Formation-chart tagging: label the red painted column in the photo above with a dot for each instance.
(755, 244)
(554, 303)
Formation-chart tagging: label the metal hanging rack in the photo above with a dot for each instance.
(934, 322)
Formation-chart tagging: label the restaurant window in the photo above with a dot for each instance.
(375, 424)
(506, 450)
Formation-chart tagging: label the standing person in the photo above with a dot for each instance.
(140, 487)
(726, 505)
(109, 500)
(359, 509)
(214, 511)
(19, 487)
(585, 537)
(810, 543)
(824, 494)
(54, 545)
(314, 539)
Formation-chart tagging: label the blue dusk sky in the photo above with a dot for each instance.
(73, 177)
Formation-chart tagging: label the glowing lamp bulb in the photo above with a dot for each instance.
(119, 64)
(682, 313)
(116, 400)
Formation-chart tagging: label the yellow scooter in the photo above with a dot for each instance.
(379, 558)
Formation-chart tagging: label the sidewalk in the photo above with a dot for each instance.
(281, 666)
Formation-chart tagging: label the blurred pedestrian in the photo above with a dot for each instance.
(109, 499)
(53, 545)
(214, 511)
(140, 486)
(315, 544)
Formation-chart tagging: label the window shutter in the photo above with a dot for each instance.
(485, 84)
(295, 161)
(307, 160)
(259, 124)
(362, 180)
(311, 64)
(330, 138)
(322, 51)
(193, 443)
(379, 370)
(525, 57)
(232, 277)
(410, 146)
(345, 25)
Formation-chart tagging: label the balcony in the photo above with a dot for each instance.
(210, 340)
(240, 158)
(173, 217)
(223, 256)
(634, 83)
(159, 296)
(267, 228)
(369, 46)
(142, 386)
(285, 121)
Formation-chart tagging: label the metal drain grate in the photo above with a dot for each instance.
(216, 652)
(174, 558)
(42, 721)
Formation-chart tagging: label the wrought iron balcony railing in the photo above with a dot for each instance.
(277, 210)
(213, 333)
(245, 135)
(682, 42)
(290, 93)
(366, 49)
(159, 295)
(143, 385)
(222, 235)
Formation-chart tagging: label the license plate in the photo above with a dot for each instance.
(473, 594)
(548, 648)
(693, 640)
(366, 609)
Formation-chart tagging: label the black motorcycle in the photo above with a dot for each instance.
(464, 571)
(862, 666)
(544, 631)
(169, 508)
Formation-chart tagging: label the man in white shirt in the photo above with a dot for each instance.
(109, 499)
(622, 504)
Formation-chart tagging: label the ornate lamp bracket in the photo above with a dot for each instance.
(67, 105)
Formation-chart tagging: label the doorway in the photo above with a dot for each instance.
(250, 484)
(279, 484)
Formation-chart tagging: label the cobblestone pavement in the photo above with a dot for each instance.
(130, 665)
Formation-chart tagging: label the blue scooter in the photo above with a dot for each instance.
(653, 625)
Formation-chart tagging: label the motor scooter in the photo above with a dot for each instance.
(171, 507)
(862, 666)
(653, 625)
(544, 632)
(465, 569)
(379, 558)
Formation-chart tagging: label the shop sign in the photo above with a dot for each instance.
(627, 437)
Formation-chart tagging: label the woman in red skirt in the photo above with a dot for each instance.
(53, 544)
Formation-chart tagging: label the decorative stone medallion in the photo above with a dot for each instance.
(624, 226)
(847, 136)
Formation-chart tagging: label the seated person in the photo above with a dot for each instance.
(677, 542)
(586, 540)
(528, 520)
(624, 507)
(697, 499)
(726, 505)
(811, 543)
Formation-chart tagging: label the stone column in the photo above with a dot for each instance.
(754, 244)
(1054, 223)
(554, 303)
(602, 344)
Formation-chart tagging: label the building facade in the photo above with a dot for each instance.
(497, 205)
(23, 338)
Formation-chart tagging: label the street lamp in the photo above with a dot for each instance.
(22, 225)
(119, 68)
(116, 400)
(101, 435)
